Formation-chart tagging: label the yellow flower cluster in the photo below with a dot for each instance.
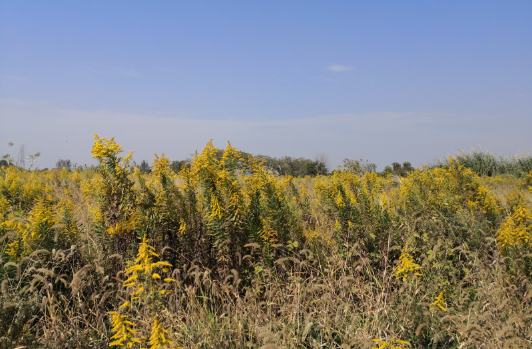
(124, 331)
(406, 267)
(516, 229)
(216, 211)
(391, 344)
(161, 166)
(447, 189)
(486, 201)
(4, 207)
(105, 148)
(439, 302)
(22, 186)
(20, 246)
(27, 234)
(65, 212)
(268, 233)
(145, 267)
(528, 180)
(159, 336)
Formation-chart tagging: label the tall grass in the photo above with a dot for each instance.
(485, 163)
(227, 255)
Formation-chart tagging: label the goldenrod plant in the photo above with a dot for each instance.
(228, 253)
(113, 189)
(124, 331)
(439, 302)
(391, 344)
(406, 267)
(144, 281)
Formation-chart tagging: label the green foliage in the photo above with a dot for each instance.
(227, 253)
(66, 164)
(144, 167)
(295, 167)
(489, 164)
(359, 166)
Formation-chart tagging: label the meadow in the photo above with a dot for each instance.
(226, 254)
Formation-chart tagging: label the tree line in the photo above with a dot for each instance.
(282, 166)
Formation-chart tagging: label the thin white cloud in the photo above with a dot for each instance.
(132, 73)
(16, 78)
(381, 137)
(521, 95)
(339, 68)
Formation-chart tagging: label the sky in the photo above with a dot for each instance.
(386, 81)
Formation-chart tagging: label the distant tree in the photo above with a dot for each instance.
(3, 163)
(144, 167)
(321, 167)
(398, 169)
(296, 167)
(387, 171)
(178, 165)
(407, 167)
(359, 166)
(66, 164)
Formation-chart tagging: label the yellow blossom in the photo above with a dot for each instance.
(439, 302)
(406, 266)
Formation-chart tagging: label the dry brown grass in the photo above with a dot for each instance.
(334, 291)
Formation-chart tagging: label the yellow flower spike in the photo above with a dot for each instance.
(439, 302)
(161, 166)
(104, 147)
(383, 200)
(138, 291)
(216, 208)
(133, 269)
(128, 157)
(391, 344)
(161, 264)
(406, 266)
(339, 201)
(159, 336)
(515, 229)
(123, 330)
(131, 278)
(155, 276)
(125, 305)
(182, 227)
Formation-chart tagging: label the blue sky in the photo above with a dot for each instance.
(380, 80)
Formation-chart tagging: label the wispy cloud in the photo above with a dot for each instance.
(340, 68)
(16, 78)
(381, 137)
(521, 95)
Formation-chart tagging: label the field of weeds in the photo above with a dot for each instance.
(227, 255)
